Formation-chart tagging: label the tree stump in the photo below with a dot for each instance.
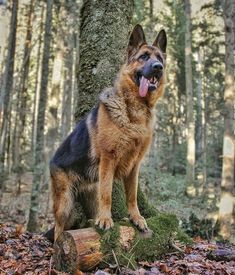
(81, 249)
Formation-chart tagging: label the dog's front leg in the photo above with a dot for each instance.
(106, 175)
(131, 188)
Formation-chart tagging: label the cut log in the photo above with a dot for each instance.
(123, 245)
(81, 249)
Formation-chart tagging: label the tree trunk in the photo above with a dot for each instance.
(66, 116)
(189, 92)
(55, 91)
(151, 9)
(201, 124)
(7, 84)
(199, 109)
(227, 184)
(104, 31)
(24, 96)
(39, 161)
(205, 107)
(37, 79)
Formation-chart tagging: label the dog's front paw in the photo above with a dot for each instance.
(139, 222)
(104, 222)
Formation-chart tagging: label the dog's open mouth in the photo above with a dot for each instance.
(147, 85)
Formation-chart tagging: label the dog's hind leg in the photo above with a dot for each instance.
(63, 201)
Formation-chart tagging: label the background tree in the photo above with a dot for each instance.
(7, 85)
(227, 184)
(39, 161)
(20, 141)
(190, 171)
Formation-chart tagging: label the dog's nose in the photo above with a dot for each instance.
(157, 66)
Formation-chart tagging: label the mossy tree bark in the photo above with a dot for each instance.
(104, 31)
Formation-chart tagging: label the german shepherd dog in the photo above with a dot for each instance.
(111, 140)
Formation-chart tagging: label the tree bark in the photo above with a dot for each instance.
(199, 109)
(189, 92)
(227, 184)
(104, 31)
(71, 10)
(37, 80)
(8, 83)
(66, 116)
(55, 91)
(24, 96)
(39, 160)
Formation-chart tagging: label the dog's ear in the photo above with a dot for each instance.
(137, 39)
(161, 41)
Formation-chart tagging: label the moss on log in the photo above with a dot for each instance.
(123, 245)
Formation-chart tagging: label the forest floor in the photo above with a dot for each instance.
(25, 253)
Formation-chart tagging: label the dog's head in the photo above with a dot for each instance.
(147, 62)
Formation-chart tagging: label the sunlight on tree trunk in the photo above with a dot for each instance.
(7, 85)
(37, 81)
(227, 184)
(24, 97)
(189, 90)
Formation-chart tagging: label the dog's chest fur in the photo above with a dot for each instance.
(124, 130)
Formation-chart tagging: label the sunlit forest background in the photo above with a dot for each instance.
(189, 170)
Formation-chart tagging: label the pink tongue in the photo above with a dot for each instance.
(144, 85)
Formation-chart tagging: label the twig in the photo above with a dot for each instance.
(115, 258)
(177, 248)
(3, 270)
(129, 261)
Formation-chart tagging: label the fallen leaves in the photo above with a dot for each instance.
(23, 253)
(29, 254)
(193, 261)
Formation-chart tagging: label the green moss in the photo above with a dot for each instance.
(119, 209)
(183, 237)
(145, 208)
(164, 227)
(164, 230)
(110, 244)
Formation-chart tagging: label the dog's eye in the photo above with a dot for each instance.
(144, 56)
(159, 57)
